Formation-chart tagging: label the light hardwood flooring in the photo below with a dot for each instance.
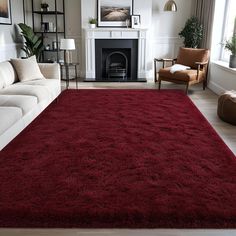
(206, 101)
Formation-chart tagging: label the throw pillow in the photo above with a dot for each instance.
(178, 67)
(27, 69)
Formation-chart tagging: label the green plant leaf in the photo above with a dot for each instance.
(33, 44)
(192, 33)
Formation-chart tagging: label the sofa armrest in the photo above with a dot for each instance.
(50, 70)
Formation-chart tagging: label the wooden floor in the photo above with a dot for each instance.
(206, 101)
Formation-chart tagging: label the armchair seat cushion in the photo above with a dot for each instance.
(184, 75)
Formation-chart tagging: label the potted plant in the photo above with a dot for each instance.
(230, 45)
(33, 44)
(44, 6)
(192, 33)
(92, 22)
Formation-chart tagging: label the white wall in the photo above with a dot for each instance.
(166, 27)
(222, 79)
(73, 26)
(9, 43)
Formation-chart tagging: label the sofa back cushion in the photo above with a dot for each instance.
(7, 74)
(189, 56)
(27, 69)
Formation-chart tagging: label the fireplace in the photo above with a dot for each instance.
(116, 59)
(116, 65)
(131, 43)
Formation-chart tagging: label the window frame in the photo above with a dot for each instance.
(224, 31)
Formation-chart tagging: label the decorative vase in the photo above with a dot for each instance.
(45, 8)
(92, 26)
(232, 61)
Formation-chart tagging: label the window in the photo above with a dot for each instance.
(229, 26)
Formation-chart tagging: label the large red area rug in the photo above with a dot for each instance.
(118, 158)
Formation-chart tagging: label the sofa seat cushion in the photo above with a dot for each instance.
(8, 117)
(25, 103)
(40, 92)
(184, 75)
(51, 84)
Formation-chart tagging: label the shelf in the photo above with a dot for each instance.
(55, 16)
(42, 32)
(49, 12)
(53, 50)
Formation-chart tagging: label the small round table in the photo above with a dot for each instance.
(67, 66)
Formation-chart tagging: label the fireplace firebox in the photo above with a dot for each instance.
(116, 59)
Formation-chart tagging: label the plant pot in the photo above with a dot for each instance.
(232, 61)
(44, 8)
(92, 26)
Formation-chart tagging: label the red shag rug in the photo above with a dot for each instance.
(118, 158)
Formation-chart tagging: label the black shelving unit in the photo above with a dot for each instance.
(58, 34)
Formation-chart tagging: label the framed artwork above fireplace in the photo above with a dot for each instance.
(114, 13)
(5, 12)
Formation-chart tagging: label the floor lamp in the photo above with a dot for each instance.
(67, 45)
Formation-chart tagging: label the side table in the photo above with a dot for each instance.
(67, 67)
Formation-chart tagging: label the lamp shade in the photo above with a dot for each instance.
(67, 44)
(170, 6)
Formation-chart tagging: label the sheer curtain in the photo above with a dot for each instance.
(204, 10)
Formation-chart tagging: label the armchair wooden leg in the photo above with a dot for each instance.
(159, 84)
(186, 91)
(204, 84)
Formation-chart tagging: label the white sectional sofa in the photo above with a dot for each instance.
(22, 102)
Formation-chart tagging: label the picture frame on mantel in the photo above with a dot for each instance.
(135, 21)
(114, 13)
(5, 12)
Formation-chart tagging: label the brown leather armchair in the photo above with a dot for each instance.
(196, 59)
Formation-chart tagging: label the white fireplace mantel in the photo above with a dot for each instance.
(115, 33)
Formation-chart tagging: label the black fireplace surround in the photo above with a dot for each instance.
(116, 59)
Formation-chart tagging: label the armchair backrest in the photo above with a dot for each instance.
(189, 56)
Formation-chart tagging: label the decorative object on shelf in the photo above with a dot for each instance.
(50, 26)
(33, 44)
(127, 23)
(44, 6)
(170, 6)
(5, 12)
(54, 45)
(230, 45)
(48, 47)
(114, 14)
(67, 45)
(45, 26)
(92, 22)
(135, 21)
(192, 33)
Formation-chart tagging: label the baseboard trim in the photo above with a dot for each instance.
(216, 88)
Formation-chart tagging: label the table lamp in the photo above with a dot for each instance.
(67, 45)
